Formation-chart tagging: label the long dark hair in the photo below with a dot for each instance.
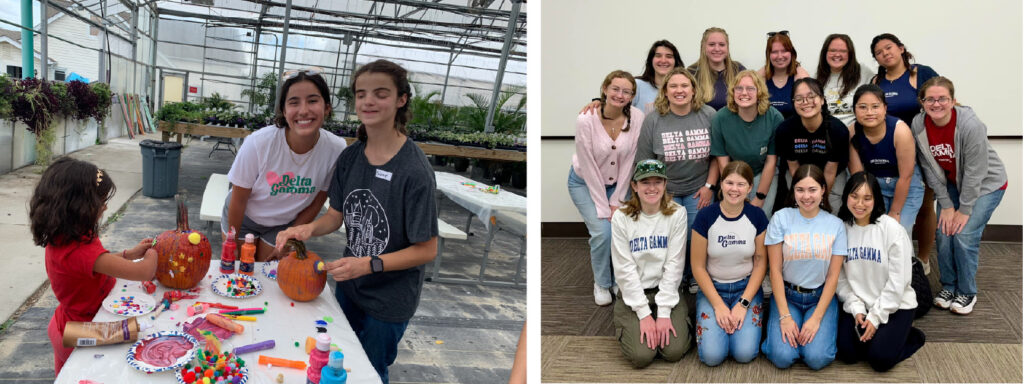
(803, 172)
(850, 75)
(321, 86)
(66, 204)
(852, 184)
(400, 77)
(906, 54)
(649, 73)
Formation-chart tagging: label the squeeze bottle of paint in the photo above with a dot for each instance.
(334, 372)
(247, 264)
(227, 253)
(318, 357)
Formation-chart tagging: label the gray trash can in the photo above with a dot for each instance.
(160, 164)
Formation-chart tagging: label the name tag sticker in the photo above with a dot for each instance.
(382, 174)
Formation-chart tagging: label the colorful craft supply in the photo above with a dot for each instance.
(494, 189)
(334, 372)
(254, 347)
(212, 342)
(223, 311)
(279, 362)
(223, 322)
(149, 287)
(213, 367)
(242, 318)
(310, 344)
(194, 238)
(217, 305)
(129, 305)
(244, 312)
(328, 319)
(236, 286)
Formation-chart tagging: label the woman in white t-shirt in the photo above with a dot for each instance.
(728, 259)
(874, 284)
(648, 242)
(282, 172)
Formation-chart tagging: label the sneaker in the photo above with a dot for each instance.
(943, 299)
(693, 287)
(615, 290)
(963, 304)
(927, 267)
(601, 296)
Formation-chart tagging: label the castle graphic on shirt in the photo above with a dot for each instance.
(366, 223)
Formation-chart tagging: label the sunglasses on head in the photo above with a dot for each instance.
(311, 71)
(784, 33)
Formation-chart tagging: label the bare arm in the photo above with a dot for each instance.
(722, 161)
(766, 175)
(854, 165)
(698, 263)
(775, 269)
(236, 206)
(905, 153)
(309, 213)
(831, 168)
(518, 374)
(831, 280)
(112, 264)
(760, 268)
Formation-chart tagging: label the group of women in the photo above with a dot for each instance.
(844, 146)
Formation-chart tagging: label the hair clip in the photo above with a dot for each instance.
(99, 177)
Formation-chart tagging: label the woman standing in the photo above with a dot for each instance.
(647, 252)
(729, 263)
(874, 284)
(605, 147)
(661, 58)
(679, 136)
(969, 181)
(840, 74)
(884, 146)
(806, 249)
(745, 131)
(714, 70)
(780, 70)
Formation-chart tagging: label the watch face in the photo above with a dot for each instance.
(376, 265)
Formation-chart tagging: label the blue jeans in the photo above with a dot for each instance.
(769, 201)
(690, 203)
(915, 196)
(600, 229)
(379, 338)
(817, 354)
(713, 344)
(958, 254)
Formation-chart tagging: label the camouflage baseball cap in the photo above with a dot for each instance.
(649, 168)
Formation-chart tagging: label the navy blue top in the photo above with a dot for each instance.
(781, 98)
(901, 96)
(878, 159)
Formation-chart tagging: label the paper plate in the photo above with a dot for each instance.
(244, 370)
(270, 270)
(145, 360)
(220, 286)
(131, 303)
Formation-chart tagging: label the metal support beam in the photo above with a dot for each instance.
(489, 125)
(27, 44)
(154, 22)
(284, 50)
(135, 50)
(43, 42)
(256, 54)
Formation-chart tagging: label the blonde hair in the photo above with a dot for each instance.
(661, 102)
(705, 75)
(632, 207)
(763, 101)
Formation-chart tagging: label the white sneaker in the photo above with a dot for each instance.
(963, 304)
(944, 299)
(601, 296)
(615, 290)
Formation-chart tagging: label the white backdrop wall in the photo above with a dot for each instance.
(976, 44)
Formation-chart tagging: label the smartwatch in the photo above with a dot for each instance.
(761, 196)
(711, 187)
(376, 264)
(744, 303)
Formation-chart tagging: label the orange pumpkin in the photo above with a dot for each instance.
(301, 275)
(183, 255)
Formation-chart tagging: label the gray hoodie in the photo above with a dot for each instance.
(978, 168)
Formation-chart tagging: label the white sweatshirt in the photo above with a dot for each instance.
(875, 279)
(648, 253)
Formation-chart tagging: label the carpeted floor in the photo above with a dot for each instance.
(578, 345)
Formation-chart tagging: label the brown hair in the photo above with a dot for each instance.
(850, 75)
(803, 172)
(618, 74)
(787, 44)
(661, 102)
(937, 81)
(66, 204)
(740, 168)
(321, 86)
(763, 101)
(400, 77)
(632, 207)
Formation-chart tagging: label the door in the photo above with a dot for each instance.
(173, 87)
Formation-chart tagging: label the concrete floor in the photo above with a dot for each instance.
(478, 325)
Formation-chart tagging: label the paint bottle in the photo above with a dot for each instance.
(227, 253)
(334, 372)
(318, 357)
(248, 262)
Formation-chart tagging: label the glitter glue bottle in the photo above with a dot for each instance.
(334, 372)
(248, 256)
(227, 253)
(318, 356)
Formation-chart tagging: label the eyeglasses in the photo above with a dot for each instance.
(311, 71)
(942, 100)
(783, 33)
(624, 92)
(744, 89)
(804, 99)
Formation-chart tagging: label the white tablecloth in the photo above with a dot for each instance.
(478, 202)
(281, 322)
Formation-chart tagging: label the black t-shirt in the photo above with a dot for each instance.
(830, 142)
(387, 208)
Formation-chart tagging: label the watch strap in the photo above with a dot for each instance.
(760, 195)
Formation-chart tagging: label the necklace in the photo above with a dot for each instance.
(291, 153)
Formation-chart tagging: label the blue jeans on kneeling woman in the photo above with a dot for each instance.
(713, 343)
(817, 354)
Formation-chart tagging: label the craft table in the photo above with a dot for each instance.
(281, 322)
(479, 203)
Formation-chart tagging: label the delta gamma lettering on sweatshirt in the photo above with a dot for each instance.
(876, 275)
(646, 253)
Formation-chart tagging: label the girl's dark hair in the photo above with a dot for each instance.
(400, 77)
(317, 80)
(850, 75)
(906, 54)
(68, 201)
(862, 90)
(852, 184)
(649, 73)
(618, 74)
(815, 87)
(803, 172)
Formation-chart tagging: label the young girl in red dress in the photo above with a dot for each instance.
(65, 210)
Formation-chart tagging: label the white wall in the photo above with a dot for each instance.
(581, 41)
(84, 62)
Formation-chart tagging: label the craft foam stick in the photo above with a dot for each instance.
(278, 362)
(254, 347)
(239, 310)
(222, 322)
(243, 312)
(242, 318)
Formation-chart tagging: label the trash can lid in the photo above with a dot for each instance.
(160, 144)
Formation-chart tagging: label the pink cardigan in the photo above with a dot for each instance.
(601, 161)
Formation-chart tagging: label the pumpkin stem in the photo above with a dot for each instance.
(299, 247)
(182, 213)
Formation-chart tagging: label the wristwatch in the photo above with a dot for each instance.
(710, 186)
(376, 264)
(760, 195)
(744, 303)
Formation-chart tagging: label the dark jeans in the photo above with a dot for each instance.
(379, 338)
(892, 343)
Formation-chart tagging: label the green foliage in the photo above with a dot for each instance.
(6, 95)
(217, 102)
(65, 102)
(103, 98)
(44, 145)
(506, 120)
(183, 111)
(263, 95)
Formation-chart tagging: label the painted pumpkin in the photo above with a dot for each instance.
(301, 274)
(183, 255)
